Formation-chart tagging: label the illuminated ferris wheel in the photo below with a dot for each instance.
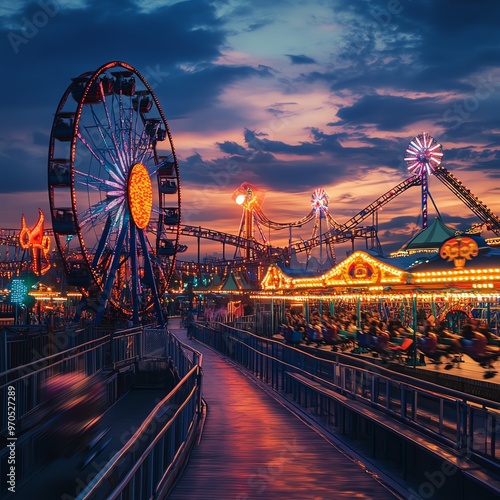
(423, 154)
(423, 157)
(114, 191)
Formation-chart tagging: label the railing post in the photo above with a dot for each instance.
(199, 381)
(462, 439)
(140, 343)
(112, 348)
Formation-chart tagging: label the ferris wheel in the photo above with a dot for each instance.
(114, 191)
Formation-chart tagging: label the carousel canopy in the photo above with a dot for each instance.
(430, 238)
(235, 282)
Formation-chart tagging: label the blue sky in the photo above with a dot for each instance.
(287, 95)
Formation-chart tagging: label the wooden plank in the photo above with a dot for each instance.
(253, 447)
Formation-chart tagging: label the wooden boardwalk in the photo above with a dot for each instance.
(252, 447)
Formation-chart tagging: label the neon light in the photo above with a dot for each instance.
(459, 250)
(18, 291)
(140, 195)
(38, 242)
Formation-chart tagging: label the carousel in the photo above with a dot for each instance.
(458, 280)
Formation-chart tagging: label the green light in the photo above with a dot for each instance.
(18, 291)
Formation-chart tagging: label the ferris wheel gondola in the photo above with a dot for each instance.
(114, 191)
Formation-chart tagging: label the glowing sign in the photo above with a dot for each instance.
(459, 250)
(18, 291)
(360, 271)
(38, 242)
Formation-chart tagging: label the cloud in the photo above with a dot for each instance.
(389, 112)
(300, 59)
(358, 81)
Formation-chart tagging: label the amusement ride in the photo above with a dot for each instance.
(114, 188)
(115, 204)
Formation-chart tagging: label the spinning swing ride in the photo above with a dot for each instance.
(114, 191)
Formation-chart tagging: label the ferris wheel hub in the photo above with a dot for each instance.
(140, 195)
(423, 155)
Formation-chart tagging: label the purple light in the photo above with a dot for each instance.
(423, 154)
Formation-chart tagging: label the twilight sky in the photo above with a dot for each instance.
(287, 95)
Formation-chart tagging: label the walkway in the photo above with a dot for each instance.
(252, 447)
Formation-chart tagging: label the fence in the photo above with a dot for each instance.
(148, 464)
(340, 395)
(169, 430)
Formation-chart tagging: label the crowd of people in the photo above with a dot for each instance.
(323, 326)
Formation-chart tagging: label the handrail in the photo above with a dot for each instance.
(429, 387)
(185, 400)
(34, 366)
(94, 485)
(460, 417)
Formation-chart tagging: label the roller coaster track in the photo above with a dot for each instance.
(349, 229)
(338, 234)
(226, 238)
(341, 233)
(472, 202)
(344, 232)
(283, 225)
(9, 237)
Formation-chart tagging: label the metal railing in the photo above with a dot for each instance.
(150, 460)
(25, 384)
(148, 464)
(461, 422)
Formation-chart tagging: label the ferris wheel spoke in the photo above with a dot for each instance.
(91, 149)
(105, 131)
(101, 244)
(127, 129)
(115, 150)
(142, 146)
(147, 155)
(88, 180)
(117, 137)
(100, 209)
(119, 218)
(132, 131)
(110, 168)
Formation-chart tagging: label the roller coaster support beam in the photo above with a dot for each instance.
(472, 202)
